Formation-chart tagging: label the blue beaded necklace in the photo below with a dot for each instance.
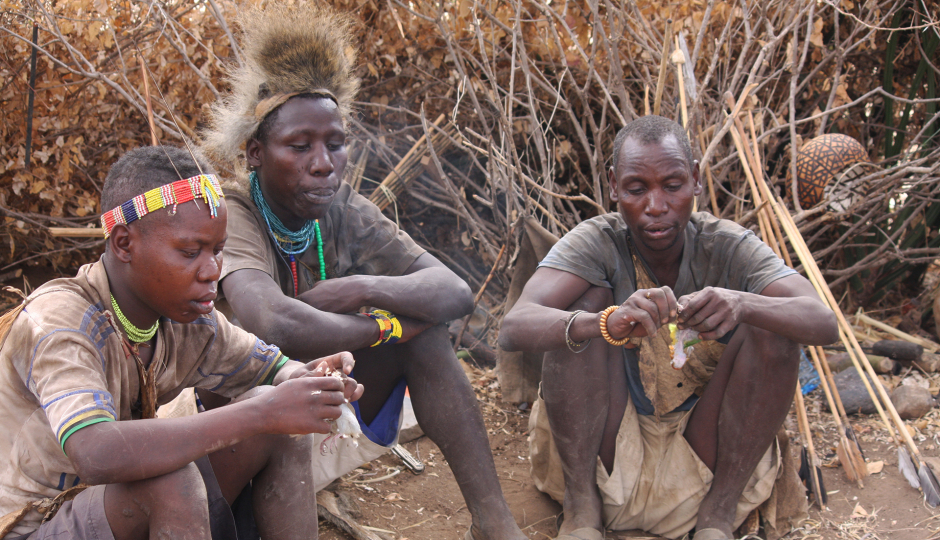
(289, 242)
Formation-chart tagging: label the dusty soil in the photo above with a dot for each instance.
(429, 506)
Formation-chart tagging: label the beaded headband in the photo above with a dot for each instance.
(202, 185)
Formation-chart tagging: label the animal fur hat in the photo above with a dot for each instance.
(287, 50)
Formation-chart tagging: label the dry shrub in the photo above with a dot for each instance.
(535, 92)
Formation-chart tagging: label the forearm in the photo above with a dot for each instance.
(800, 319)
(536, 328)
(434, 295)
(134, 450)
(304, 332)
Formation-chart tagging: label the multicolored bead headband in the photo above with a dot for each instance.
(202, 185)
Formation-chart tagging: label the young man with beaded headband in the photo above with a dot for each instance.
(306, 253)
(86, 361)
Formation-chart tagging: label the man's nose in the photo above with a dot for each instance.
(321, 162)
(211, 270)
(656, 203)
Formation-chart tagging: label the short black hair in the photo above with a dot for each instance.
(146, 168)
(652, 129)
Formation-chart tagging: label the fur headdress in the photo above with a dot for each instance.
(287, 51)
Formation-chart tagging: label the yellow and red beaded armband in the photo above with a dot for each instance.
(389, 326)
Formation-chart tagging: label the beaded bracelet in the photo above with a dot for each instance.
(390, 330)
(396, 332)
(572, 345)
(615, 342)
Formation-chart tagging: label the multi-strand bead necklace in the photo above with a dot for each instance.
(290, 242)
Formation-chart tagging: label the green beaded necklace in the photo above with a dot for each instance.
(289, 242)
(134, 334)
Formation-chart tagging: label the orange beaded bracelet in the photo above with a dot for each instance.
(615, 342)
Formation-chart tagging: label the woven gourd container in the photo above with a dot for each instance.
(822, 159)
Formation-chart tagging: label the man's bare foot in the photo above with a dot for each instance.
(712, 534)
(509, 531)
(582, 511)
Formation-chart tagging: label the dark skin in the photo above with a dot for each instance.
(586, 394)
(300, 162)
(169, 267)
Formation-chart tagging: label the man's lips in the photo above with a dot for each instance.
(320, 196)
(205, 304)
(658, 231)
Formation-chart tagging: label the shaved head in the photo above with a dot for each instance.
(650, 130)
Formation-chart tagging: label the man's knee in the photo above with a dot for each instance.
(181, 493)
(432, 345)
(773, 350)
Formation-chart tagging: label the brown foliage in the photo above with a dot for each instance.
(535, 90)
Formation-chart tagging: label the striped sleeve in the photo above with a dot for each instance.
(237, 361)
(66, 373)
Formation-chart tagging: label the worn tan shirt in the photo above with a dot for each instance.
(715, 253)
(357, 240)
(62, 368)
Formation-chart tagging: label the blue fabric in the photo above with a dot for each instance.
(384, 427)
(642, 403)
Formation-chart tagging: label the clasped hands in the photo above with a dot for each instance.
(712, 312)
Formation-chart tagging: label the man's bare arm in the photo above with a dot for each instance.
(428, 291)
(537, 322)
(297, 328)
(789, 307)
(126, 451)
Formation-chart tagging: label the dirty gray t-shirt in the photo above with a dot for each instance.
(715, 253)
(357, 240)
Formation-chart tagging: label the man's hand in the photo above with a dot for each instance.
(342, 362)
(304, 403)
(411, 328)
(712, 312)
(648, 308)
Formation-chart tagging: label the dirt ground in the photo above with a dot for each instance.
(429, 506)
(398, 505)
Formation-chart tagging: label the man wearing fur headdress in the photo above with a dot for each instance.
(306, 254)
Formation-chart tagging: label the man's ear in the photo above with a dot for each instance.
(696, 179)
(612, 184)
(119, 243)
(253, 152)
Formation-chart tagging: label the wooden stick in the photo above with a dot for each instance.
(761, 216)
(398, 176)
(678, 58)
(716, 211)
(803, 422)
(852, 461)
(808, 264)
(12, 274)
(76, 232)
(848, 458)
(664, 60)
(926, 344)
(860, 360)
(476, 299)
(818, 351)
(153, 129)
